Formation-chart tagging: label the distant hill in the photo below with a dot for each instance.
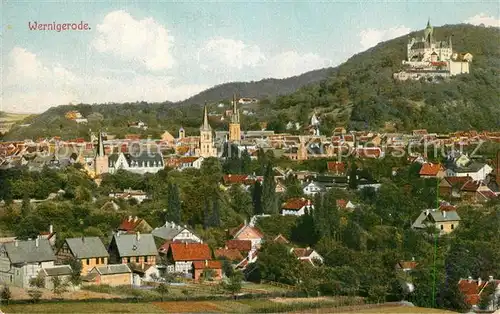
(359, 94)
(7, 120)
(261, 89)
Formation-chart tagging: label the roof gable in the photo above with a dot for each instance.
(87, 247)
(190, 251)
(135, 244)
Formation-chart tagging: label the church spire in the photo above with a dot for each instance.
(235, 116)
(206, 125)
(429, 23)
(100, 145)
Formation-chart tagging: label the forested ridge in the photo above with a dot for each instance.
(359, 94)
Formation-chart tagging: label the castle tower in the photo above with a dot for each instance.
(206, 148)
(234, 124)
(101, 159)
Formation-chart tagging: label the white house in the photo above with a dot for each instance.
(477, 171)
(308, 255)
(142, 162)
(311, 188)
(190, 162)
(296, 207)
(138, 195)
(171, 231)
(22, 260)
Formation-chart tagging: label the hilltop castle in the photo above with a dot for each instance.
(428, 58)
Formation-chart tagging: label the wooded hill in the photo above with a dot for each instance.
(359, 94)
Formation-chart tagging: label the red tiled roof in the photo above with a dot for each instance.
(190, 251)
(471, 290)
(281, 239)
(457, 180)
(187, 160)
(371, 152)
(408, 264)
(130, 224)
(300, 252)
(430, 169)
(207, 265)
(240, 245)
(471, 186)
(234, 178)
(447, 208)
(341, 203)
(230, 254)
(296, 203)
(336, 166)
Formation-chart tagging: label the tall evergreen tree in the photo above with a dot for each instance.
(173, 203)
(257, 198)
(25, 206)
(215, 218)
(206, 214)
(353, 176)
(269, 197)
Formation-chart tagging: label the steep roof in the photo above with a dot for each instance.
(87, 247)
(190, 251)
(240, 245)
(230, 254)
(207, 265)
(301, 252)
(130, 223)
(168, 231)
(134, 245)
(29, 251)
(430, 169)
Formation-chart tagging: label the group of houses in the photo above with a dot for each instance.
(136, 253)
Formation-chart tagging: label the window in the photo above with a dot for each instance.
(452, 226)
(128, 259)
(88, 261)
(145, 259)
(103, 261)
(442, 227)
(137, 259)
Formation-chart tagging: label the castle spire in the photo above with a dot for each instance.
(206, 125)
(429, 23)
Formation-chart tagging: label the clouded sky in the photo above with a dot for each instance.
(165, 50)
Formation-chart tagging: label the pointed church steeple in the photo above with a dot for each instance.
(429, 23)
(235, 116)
(100, 146)
(206, 125)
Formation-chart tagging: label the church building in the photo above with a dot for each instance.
(206, 146)
(234, 124)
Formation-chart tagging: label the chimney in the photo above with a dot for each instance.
(479, 281)
(129, 218)
(490, 278)
(142, 266)
(444, 214)
(185, 244)
(173, 224)
(413, 259)
(138, 236)
(16, 243)
(36, 242)
(135, 219)
(470, 279)
(245, 222)
(427, 212)
(51, 229)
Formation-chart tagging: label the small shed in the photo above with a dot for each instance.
(61, 271)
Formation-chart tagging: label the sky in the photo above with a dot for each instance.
(170, 50)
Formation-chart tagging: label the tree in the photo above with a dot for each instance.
(257, 198)
(208, 274)
(25, 206)
(173, 204)
(353, 176)
(269, 199)
(215, 218)
(241, 201)
(233, 284)
(162, 290)
(6, 295)
(59, 286)
(37, 283)
(76, 269)
(276, 263)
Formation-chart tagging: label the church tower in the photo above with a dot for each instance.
(207, 148)
(428, 33)
(234, 124)
(101, 159)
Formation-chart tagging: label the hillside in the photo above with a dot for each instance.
(7, 120)
(360, 94)
(261, 89)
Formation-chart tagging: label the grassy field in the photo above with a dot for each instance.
(8, 119)
(229, 306)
